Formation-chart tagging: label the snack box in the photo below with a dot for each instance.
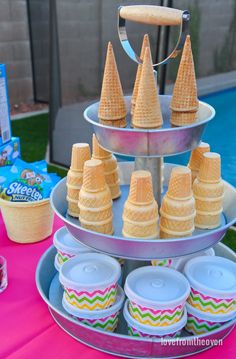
(9, 152)
(5, 122)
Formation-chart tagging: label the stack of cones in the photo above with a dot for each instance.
(208, 189)
(140, 214)
(112, 109)
(80, 154)
(184, 104)
(178, 206)
(196, 159)
(138, 74)
(110, 168)
(147, 111)
(95, 201)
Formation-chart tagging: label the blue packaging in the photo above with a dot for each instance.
(5, 123)
(9, 152)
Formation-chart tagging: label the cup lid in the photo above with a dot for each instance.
(90, 271)
(151, 330)
(64, 241)
(95, 314)
(157, 287)
(214, 276)
(181, 261)
(218, 318)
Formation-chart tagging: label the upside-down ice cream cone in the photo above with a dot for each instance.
(196, 158)
(95, 201)
(80, 154)
(138, 74)
(73, 209)
(178, 205)
(184, 99)
(140, 213)
(180, 183)
(147, 112)
(208, 190)
(110, 168)
(112, 109)
(210, 169)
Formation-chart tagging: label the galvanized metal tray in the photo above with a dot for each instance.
(165, 141)
(120, 343)
(138, 249)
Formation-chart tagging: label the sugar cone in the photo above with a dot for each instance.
(185, 90)
(140, 213)
(80, 154)
(115, 190)
(114, 123)
(99, 153)
(209, 204)
(112, 177)
(140, 230)
(96, 214)
(74, 178)
(73, 192)
(177, 208)
(175, 225)
(165, 234)
(205, 220)
(73, 209)
(104, 227)
(180, 183)
(139, 71)
(141, 190)
(110, 164)
(94, 199)
(197, 155)
(208, 190)
(147, 112)
(183, 118)
(112, 104)
(210, 169)
(93, 177)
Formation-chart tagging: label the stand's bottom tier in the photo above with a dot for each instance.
(119, 343)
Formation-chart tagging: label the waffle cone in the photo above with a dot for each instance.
(208, 190)
(194, 175)
(183, 118)
(95, 199)
(147, 112)
(205, 220)
(115, 190)
(140, 230)
(210, 169)
(99, 153)
(177, 225)
(139, 71)
(110, 164)
(209, 204)
(141, 191)
(80, 154)
(197, 155)
(185, 89)
(112, 104)
(164, 234)
(74, 178)
(177, 208)
(140, 214)
(104, 227)
(112, 177)
(114, 123)
(180, 184)
(93, 177)
(96, 214)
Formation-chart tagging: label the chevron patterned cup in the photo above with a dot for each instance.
(104, 319)
(90, 281)
(162, 317)
(199, 322)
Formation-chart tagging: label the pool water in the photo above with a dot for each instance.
(220, 133)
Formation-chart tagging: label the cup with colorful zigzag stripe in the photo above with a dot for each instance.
(90, 281)
(137, 329)
(213, 285)
(199, 322)
(156, 295)
(104, 319)
(67, 247)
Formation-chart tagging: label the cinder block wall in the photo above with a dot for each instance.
(15, 49)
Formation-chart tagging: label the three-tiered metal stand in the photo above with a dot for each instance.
(147, 146)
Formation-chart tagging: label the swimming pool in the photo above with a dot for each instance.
(220, 133)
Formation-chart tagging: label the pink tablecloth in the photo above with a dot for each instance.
(26, 328)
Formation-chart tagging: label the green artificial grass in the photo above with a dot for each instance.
(33, 133)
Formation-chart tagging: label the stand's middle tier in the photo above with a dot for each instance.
(165, 141)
